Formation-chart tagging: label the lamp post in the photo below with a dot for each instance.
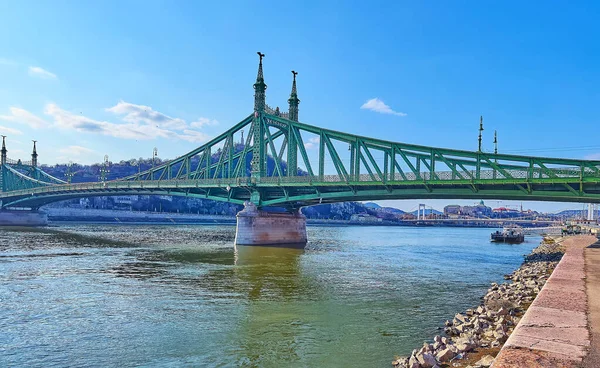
(69, 173)
(104, 169)
(154, 155)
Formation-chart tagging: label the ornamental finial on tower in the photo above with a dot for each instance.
(34, 155)
(3, 151)
(260, 87)
(480, 130)
(293, 100)
(495, 142)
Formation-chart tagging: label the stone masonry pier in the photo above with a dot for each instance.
(554, 330)
(262, 228)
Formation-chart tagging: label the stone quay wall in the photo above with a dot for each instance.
(474, 338)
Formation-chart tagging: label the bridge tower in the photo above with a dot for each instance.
(257, 226)
(258, 152)
(292, 159)
(17, 217)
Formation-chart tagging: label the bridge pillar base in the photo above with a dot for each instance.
(23, 218)
(262, 228)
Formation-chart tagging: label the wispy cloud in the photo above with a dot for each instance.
(71, 121)
(193, 136)
(4, 61)
(137, 124)
(7, 130)
(76, 150)
(202, 122)
(36, 71)
(312, 143)
(375, 104)
(145, 114)
(81, 154)
(22, 116)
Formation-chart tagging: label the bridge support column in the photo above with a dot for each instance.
(257, 227)
(23, 218)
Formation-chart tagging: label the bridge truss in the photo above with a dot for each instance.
(283, 162)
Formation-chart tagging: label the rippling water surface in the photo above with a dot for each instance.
(107, 296)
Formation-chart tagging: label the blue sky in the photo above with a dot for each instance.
(92, 78)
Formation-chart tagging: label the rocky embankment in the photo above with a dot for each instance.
(473, 338)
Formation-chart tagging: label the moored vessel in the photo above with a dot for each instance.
(511, 235)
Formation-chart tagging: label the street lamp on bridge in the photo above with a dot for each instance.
(104, 169)
(69, 173)
(154, 156)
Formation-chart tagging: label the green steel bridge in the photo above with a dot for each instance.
(285, 163)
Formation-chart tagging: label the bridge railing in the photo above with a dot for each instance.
(510, 174)
(519, 176)
(10, 161)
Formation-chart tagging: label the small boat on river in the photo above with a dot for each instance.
(510, 235)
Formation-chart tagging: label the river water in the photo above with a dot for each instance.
(121, 296)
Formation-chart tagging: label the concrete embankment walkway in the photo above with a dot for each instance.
(592, 271)
(554, 330)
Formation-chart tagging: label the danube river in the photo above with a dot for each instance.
(118, 296)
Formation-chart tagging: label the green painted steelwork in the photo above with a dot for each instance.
(283, 162)
(375, 169)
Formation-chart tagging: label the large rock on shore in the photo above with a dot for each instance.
(426, 360)
(445, 355)
(485, 362)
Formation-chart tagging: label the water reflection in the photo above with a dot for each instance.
(277, 325)
(269, 271)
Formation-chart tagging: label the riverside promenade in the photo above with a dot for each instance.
(561, 327)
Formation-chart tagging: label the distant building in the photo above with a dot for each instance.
(125, 200)
(452, 209)
(364, 218)
(503, 212)
(480, 210)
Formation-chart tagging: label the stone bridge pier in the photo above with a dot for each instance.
(264, 228)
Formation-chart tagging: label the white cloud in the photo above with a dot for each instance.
(312, 143)
(36, 71)
(135, 129)
(202, 122)
(375, 104)
(7, 130)
(193, 136)
(139, 122)
(67, 120)
(76, 150)
(145, 114)
(22, 116)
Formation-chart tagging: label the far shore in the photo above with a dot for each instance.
(58, 216)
